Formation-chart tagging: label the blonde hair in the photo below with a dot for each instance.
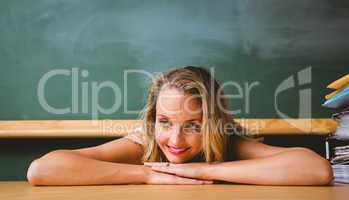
(197, 81)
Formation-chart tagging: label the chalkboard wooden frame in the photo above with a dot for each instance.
(119, 128)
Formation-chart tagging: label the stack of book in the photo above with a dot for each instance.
(337, 145)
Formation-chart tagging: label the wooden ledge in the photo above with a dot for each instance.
(119, 128)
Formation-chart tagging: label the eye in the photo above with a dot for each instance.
(164, 122)
(192, 127)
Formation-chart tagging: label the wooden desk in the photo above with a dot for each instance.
(22, 190)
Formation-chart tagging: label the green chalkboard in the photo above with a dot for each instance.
(262, 42)
(286, 52)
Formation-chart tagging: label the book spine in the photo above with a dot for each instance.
(327, 149)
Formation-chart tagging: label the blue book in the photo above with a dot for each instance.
(341, 99)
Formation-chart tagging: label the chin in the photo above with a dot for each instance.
(176, 159)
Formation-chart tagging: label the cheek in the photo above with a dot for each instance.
(160, 138)
(194, 141)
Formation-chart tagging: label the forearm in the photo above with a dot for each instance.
(68, 168)
(294, 167)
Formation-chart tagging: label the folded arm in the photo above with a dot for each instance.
(297, 166)
(260, 164)
(115, 162)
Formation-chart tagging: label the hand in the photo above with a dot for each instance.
(188, 170)
(154, 177)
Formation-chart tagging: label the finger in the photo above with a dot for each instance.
(182, 180)
(162, 178)
(176, 170)
(166, 169)
(187, 181)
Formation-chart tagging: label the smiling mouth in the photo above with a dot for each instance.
(176, 151)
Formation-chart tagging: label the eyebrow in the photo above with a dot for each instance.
(190, 120)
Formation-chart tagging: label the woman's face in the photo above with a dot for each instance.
(178, 124)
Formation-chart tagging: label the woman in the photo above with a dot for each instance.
(187, 138)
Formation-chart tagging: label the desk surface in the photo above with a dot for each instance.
(22, 190)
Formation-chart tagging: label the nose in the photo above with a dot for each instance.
(175, 135)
